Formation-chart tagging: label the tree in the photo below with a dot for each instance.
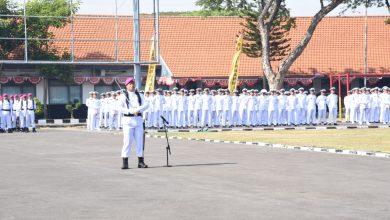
(268, 13)
(38, 28)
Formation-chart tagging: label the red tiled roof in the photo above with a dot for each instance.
(204, 47)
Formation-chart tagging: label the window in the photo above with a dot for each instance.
(11, 88)
(60, 93)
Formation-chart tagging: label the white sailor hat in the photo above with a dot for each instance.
(323, 90)
(91, 92)
(175, 89)
(198, 89)
(113, 93)
(333, 88)
(192, 90)
(244, 90)
(206, 89)
(385, 88)
(263, 91)
(301, 89)
(287, 93)
(305, 92)
(282, 90)
(235, 91)
(312, 89)
(292, 90)
(102, 94)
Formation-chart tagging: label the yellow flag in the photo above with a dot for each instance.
(149, 86)
(235, 64)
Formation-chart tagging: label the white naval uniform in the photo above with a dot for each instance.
(301, 108)
(30, 117)
(182, 111)
(168, 109)
(150, 110)
(273, 110)
(234, 111)
(242, 109)
(364, 101)
(6, 114)
(106, 111)
(101, 112)
(332, 101)
(159, 102)
(133, 129)
(347, 106)
(375, 107)
(95, 106)
(191, 110)
(311, 109)
(292, 102)
(227, 110)
(174, 112)
(206, 110)
(321, 105)
(385, 108)
(282, 108)
(113, 114)
(198, 109)
(87, 103)
(262, 103)
(16, 109)
(251, 119)
(218, 109)
(354, 102)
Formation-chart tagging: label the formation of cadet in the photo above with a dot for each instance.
(17, 113)
(250, 108)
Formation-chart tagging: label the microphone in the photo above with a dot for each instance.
(164, 120)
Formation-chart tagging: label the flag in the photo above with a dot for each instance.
(149, 86)
(235, 64)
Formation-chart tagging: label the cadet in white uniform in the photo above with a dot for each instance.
(364, 101)
(385, 106)
(227, 109)
(301, 107)
(206, 108)
(174, 101)
(191, 108)
(282, 107)
(311, 107)
(95, 106)
(242, 110)
(321, 106)
(168, 107)
(101, 111)
(218, 107)
(113, 114)
(159, 102)
(347, 106)
(182, 109)
(292, 102)
(198, 107)
(30, 116)
(273, 108)
(251, 119)
(332, 101)
(262, 101)
(88, 104)
(354, 101)
(16, 108)
(375, 106)
(235, 109)
(6, 114)
(132, 104)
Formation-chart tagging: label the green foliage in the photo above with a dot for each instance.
(73, 106)
(279, 41)
(39, 110)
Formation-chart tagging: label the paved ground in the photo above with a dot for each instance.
(71, 174)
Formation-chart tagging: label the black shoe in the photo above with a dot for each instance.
(34, 131)
(26, 130)
(125, 165)
(10, 130)
(141, 163)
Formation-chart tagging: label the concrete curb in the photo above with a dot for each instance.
(291, 147)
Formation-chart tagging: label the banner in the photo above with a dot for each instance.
(149, 86)
(235, 64)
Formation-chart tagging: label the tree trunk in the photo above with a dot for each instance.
(45, 90)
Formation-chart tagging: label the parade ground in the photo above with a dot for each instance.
(70, 173)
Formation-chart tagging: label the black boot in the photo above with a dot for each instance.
(26, 130)
(34, 130)
(141, 163)
(125, 165)
(10, 130)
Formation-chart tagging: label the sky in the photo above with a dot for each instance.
(298, 7)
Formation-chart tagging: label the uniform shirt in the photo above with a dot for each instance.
(182, 103)
(292, 102)
(218, 102)
(311, 102)
(87, 102)
(347, 101)
(272, 103)
(207, 101)
(95, 105)
(198, 102)
(262, 102)
(282, 102)
(17, 105)
(168, 103)
(252, 103)
(227, 102)
(235, 103)
(191, 102)
(301, 101)
(159, 102)
(133, 104)
(332, 101)
(112, 105)
(375, 100)
(7, 105)
(354, 101)
(364, 100)
(321, 102)
(384, 100)
(174, 101)
(243, 99)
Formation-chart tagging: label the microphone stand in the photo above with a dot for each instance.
(168, 148)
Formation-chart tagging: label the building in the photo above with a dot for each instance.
(197, 52)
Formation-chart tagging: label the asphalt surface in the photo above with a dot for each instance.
(75, 174)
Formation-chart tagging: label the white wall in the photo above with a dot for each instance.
(40, 91)
(86, 88)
